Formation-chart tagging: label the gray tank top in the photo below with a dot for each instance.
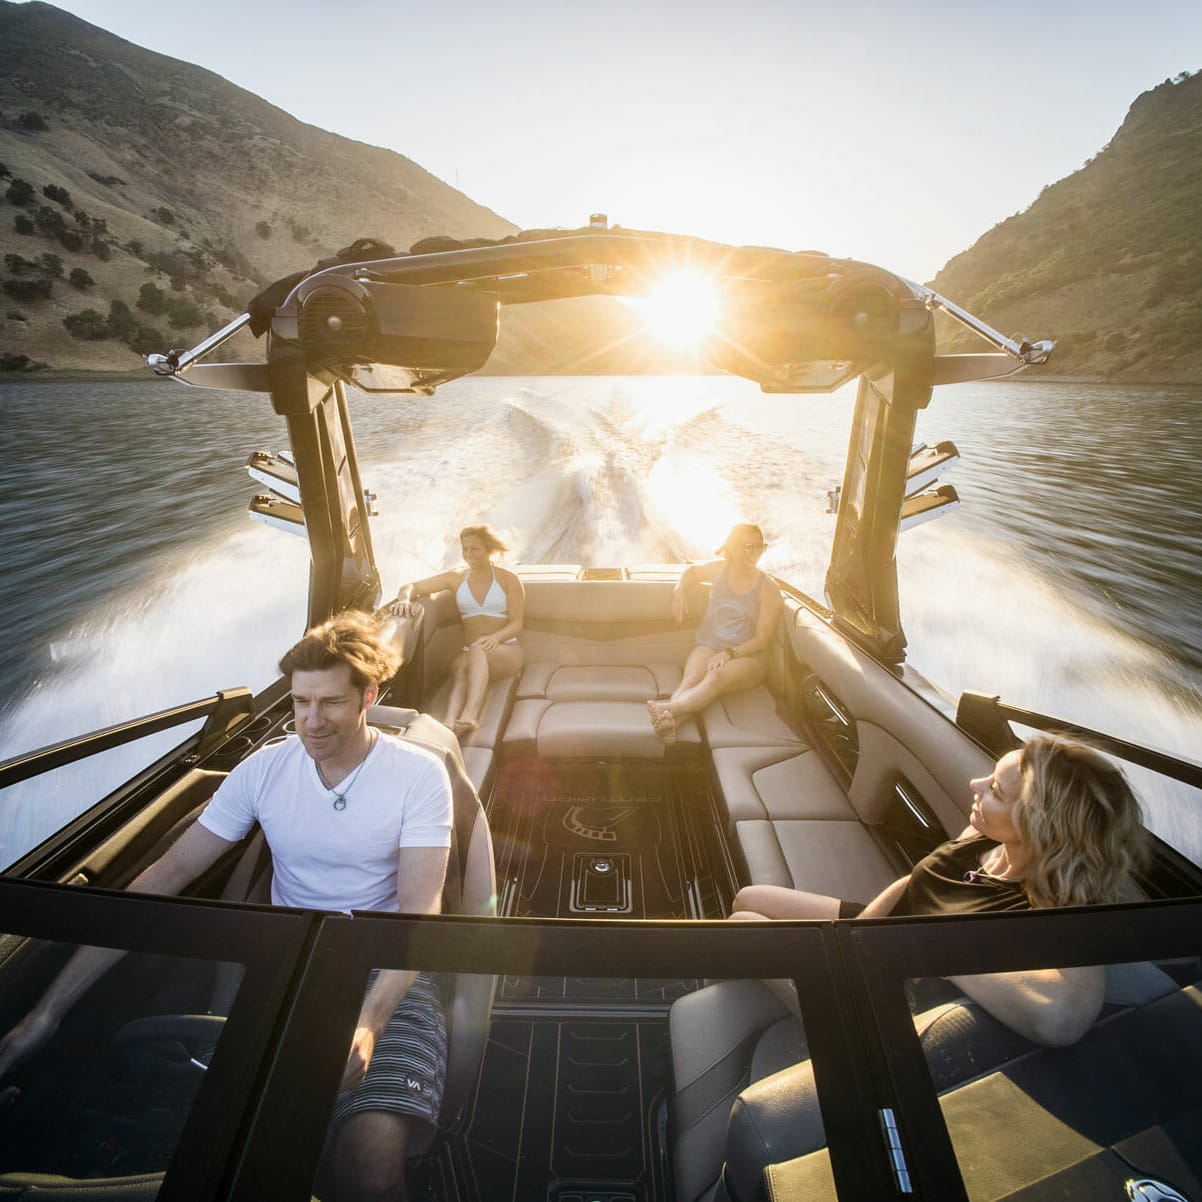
(730, 617)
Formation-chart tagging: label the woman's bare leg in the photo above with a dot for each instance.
(694, 670)
(458, 690)
(758, 902)
(483, 666)
(476, 677)
(735, 675)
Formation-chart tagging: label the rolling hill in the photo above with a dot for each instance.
(1107, 261)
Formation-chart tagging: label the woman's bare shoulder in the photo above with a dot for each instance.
(709, 570)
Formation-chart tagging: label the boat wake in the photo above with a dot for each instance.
(603, 472)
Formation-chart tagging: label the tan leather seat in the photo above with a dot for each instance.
(590, 729)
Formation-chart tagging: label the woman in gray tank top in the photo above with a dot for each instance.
(735, 632)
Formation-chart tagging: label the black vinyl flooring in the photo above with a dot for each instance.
(567, 1109)
(572, 1092)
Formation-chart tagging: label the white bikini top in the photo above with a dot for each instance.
(494, 605)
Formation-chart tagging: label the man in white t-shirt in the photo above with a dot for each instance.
(356, 820)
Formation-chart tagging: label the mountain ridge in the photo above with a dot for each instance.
(144, 200)
(1105, 261)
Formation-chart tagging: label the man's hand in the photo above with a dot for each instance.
(363, 1045)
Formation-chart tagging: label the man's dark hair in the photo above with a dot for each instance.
(350, 638)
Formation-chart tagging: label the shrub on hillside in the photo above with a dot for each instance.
(90, 325)
(23, 225)
(28, 290)
(184, 314)
(121, 320)
(9, 362)
(32, 121)
(80, 279)
(146, 340)
(61, 195)
(151, 299)
(18, 264)
(20, 192)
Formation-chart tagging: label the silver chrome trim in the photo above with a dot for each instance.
(911, 805)
(1148, 1189)
(897, 1155)
(174, 362)
(1027, 353)
(835, 708)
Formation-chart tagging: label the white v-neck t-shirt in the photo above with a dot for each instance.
(328, 859)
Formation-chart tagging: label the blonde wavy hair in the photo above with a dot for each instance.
(487, 535)
(1077, 814)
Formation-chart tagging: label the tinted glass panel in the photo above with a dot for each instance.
(1048, 1097)
(569, 1085)
(109, 1093)
(1122, 1103)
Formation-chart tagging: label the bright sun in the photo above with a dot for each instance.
(680, 310)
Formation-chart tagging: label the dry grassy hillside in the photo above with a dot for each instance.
(163, 173)
(1107, 261)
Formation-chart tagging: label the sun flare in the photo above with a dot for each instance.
(680, 310)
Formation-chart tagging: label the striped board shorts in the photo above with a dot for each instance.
(408, 1067)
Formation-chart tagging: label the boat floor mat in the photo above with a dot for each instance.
(600, 840)
(593, 1134)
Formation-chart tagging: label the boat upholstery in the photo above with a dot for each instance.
(744, 1086)
(596, 652)
(801, 820)
(471, 888)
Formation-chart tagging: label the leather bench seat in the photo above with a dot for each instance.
(794, 824)
(778, 783)
(588, 729)
(840, 858)
(480, 746)
(747, 718)
(597, 682)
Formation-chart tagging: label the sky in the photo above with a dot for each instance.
(892, 131)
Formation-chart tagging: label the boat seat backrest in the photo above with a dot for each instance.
(897, 731)
(471, 888)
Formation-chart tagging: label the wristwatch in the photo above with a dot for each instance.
(733, 652)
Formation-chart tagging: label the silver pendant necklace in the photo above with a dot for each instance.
(340, 794)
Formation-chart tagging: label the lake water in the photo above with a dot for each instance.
(1067, 581)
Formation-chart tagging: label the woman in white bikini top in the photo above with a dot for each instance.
(491, 603)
